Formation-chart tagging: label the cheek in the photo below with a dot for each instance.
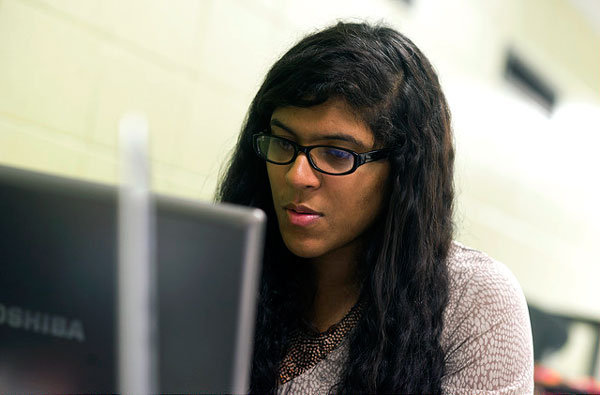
(381, 194)
(374, 187)
(276, 177)
(362, 201)
(366, 208)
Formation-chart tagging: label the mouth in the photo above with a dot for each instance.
(301, 215)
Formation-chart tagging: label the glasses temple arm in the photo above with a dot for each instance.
(375, 155)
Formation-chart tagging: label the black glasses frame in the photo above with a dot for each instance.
(359, 158)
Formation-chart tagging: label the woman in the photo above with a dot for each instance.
(347, 147)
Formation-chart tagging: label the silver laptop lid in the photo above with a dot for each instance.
(58, 256)
(207, 304)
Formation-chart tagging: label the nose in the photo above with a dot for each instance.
(301, 175)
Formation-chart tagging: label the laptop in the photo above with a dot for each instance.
(59, 298)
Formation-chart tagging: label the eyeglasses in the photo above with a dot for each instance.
(327, 159)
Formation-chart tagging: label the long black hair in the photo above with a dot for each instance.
(384, 77)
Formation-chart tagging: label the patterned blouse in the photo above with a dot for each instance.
(486, 336)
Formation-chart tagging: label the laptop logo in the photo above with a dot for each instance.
(43, 323)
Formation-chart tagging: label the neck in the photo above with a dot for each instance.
(336, 288)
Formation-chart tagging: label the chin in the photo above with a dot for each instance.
(303, 250)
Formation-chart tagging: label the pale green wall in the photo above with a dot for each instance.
(526, 183)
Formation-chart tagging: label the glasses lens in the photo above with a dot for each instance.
(275, 149)
(332, 160)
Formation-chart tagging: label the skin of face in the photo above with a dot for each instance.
(345, 206)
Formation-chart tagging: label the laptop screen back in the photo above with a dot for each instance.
(58, 302)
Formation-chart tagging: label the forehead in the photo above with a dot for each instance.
(331, 120)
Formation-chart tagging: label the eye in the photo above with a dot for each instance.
(337, 154)
(283, 145)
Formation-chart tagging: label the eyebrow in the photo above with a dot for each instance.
(330, 136)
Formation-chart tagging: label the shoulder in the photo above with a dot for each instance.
(477, 281)
(487, 333)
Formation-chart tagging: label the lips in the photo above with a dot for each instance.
(301, 215)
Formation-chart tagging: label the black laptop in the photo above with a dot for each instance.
(58, 289)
